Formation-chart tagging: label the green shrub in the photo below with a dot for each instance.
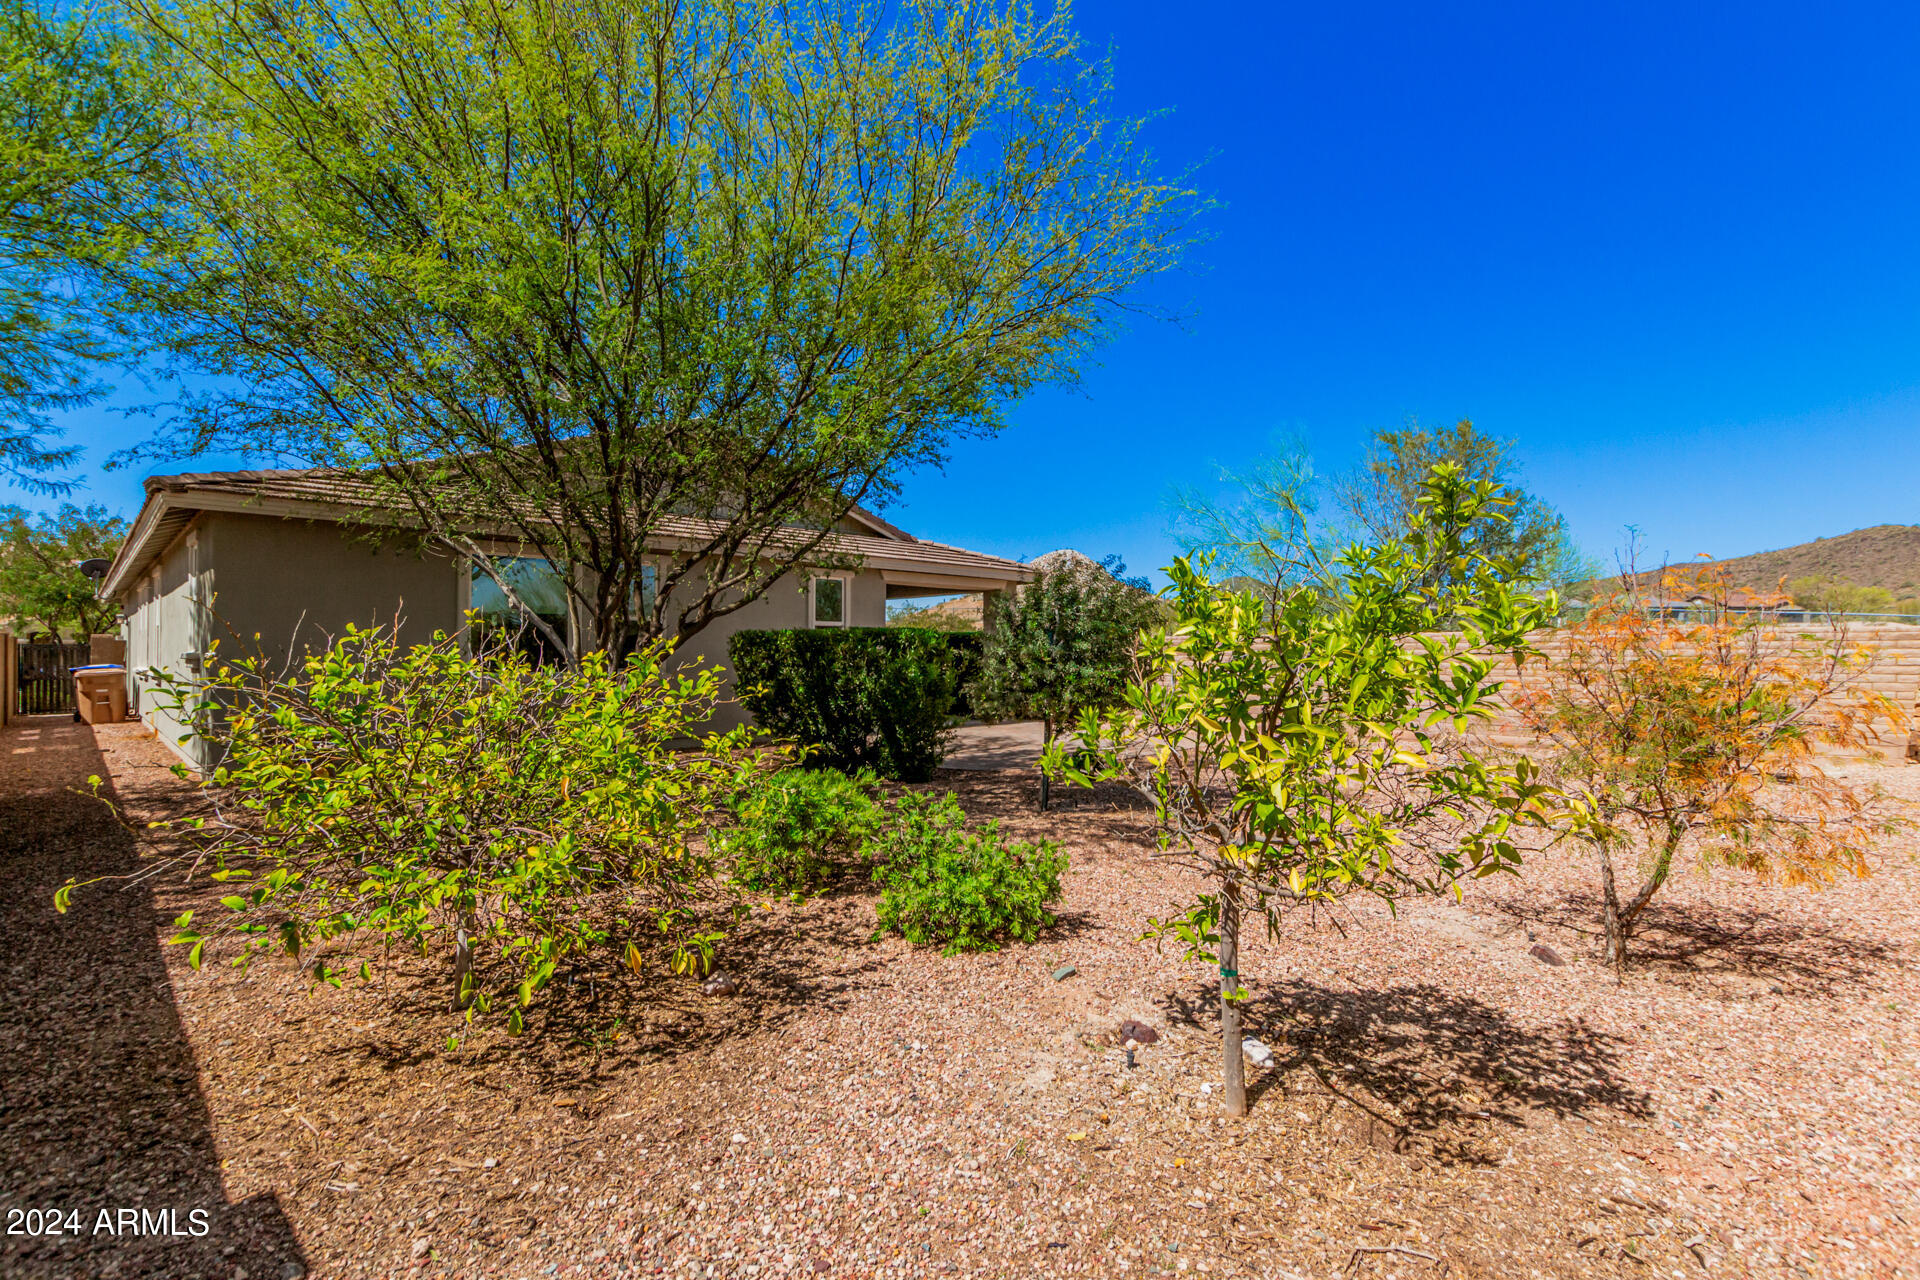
(1060, 646)
(502, 816)
(966, 649)
(963, 890)
(875, 698)
(796, 830)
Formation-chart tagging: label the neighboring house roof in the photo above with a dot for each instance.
(343, 497)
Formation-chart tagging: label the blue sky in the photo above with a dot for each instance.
(1673, 251)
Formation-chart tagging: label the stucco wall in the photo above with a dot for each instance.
(165, 624)
(782, 608)
(272, 585)
(280, 583)
(268, 585)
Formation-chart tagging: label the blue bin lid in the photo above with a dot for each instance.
(98, 666)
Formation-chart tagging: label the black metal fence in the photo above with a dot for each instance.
(46, 677)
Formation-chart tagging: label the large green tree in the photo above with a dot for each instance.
(77, 136)
(1382, 497)
(638, 284)
(40, 580)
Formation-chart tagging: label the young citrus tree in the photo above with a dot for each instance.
(1697, 727)
(1303, 750)
(477, 807)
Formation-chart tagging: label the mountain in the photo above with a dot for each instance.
(1886, 555)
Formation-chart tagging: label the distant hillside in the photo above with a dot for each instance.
(1887, 555)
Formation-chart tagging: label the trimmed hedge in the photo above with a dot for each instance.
(967, 648)
(880, 698)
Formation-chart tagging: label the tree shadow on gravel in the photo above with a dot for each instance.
(1675, 939)
(1424, 1068)
(102, 1103)
(1017, 791)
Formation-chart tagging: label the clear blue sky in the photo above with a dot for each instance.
(1672, 250)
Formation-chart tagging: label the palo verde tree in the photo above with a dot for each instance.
(1060, 646)
(500, 817)
(40, 578)
(1264, 532)
(647, 287)
(1697, 729)
(78, 134)
(1301, 751)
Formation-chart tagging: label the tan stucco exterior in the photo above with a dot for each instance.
(263, 585)
(280, 584)
(270, 575)
(782, 607)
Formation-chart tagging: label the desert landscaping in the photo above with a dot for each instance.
(1440, 1100)
(958, 640)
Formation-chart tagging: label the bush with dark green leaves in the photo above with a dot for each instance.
(798, 830)
(943, 885)
(880, 698)
(1060, 646)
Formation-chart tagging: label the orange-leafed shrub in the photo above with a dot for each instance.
(1683, 716)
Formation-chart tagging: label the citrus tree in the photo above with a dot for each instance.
(1698, 728)
(1305, 749)
(501, 815)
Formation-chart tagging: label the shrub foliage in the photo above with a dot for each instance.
(1700, 732)
(795, 831)
(880, 698)
(504, 815)
(943, 885)
(1061, 646)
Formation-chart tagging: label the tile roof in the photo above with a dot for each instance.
(327, 493)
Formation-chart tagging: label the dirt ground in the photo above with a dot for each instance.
(1441, 1102)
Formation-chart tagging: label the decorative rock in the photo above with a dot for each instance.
(1064, 972)
(1138, 1032)
(1546, 955)
(720, 984)
(1257, 1053)
(292, 1271)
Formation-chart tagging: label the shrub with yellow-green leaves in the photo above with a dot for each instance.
(473, 807)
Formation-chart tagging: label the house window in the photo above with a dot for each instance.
(539, 587)
(829, 597)
(643, 594)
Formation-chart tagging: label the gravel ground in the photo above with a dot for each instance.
(1440, 1102)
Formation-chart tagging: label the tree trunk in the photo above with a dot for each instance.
(1046, 740)
(1662, 866)
(1610, 908)
(1235, 1102)
(462, 961)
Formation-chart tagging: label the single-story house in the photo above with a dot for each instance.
(279, 559)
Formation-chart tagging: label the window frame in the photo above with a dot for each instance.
(813, 601)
